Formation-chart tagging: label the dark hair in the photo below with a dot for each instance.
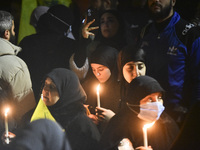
(121, 38)
(5, 22)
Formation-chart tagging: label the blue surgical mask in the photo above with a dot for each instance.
(151, 111)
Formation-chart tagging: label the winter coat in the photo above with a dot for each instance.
(15, 71)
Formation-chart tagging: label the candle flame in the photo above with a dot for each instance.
(98, 88)
(6, 111)
(148, 125)
(42, 96)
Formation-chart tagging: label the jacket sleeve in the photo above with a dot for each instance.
(22, 88)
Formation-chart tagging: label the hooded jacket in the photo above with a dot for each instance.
(15, 71)
(173, 59)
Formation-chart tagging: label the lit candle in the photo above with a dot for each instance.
(98, 96)
(42, 96)
(6, 125)
(145, 133)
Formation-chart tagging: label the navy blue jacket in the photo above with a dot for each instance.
(173, 59)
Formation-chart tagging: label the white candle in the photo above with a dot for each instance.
(6, 125)
(145, 133)
(98, 96)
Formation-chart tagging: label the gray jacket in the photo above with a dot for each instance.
(15, 71)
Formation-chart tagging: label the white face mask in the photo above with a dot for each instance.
(151, 111)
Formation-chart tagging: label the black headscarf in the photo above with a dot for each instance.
(107, 56)
(71, 93)
(140, 87)
(131, 52)
(121, 38)
(68, 86)
(70, 112)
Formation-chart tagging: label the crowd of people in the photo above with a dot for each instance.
(148, 75)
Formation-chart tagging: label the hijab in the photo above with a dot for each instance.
(131, 52)
(120, 39)
(68, 86)
(107, 56)
(140, 87)
(71, 94)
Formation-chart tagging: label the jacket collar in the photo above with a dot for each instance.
(7, 48)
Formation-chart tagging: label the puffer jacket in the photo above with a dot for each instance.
(15, 71)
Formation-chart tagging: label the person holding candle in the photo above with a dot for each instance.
(42, 134)
(144, 105)
(103, 62)
(13, 69)
(8, 121)
(33, 136)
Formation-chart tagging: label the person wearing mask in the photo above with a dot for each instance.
(144, 105)
(13, 69)
(173, 56)
(51, 46)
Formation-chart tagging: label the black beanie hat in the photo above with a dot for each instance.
(59, 19)
(140, 87)
(62, 12)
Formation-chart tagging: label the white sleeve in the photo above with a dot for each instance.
(80, 72)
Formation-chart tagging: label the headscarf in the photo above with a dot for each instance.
(140, 87)
(68, 86)
(107, 56)
(131, 52)
(120, 39)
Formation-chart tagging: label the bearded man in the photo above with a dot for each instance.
(172, 47)
(12, 68)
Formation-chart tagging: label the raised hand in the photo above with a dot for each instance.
(86, 28)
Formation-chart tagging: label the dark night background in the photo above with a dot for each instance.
(186, 8)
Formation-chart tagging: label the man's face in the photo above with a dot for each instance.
(12, 34)
(161, 9)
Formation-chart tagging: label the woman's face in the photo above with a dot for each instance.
(109, 25)
(101, 72)
(133, 69)
(154, 97)
(50, 92)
